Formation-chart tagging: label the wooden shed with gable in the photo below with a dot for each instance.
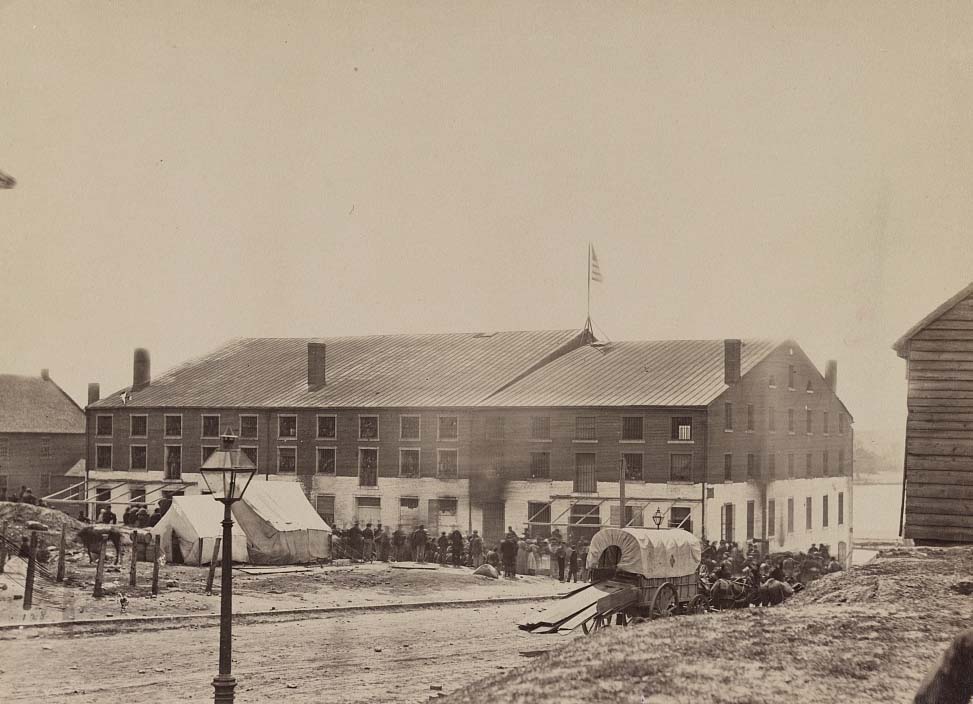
(939, 432)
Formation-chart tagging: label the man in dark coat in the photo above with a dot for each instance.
(419, 538)
(476, 549)
(398, 544)
(508, 553)
(368, 543)
(456, 538)
(355, 541)
(155, 517)
(442, 544)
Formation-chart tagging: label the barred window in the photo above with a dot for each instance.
(211, 426)
(138, 426)
(540, 465)
(540, 427)
(750, 417)
(632, 428)
(680, 468)
(728, 467)
(327, 427)
(286, 459)
(448, 460)
(584, 428)
(584, 472)
(173, 426)
(448, 427)
(368, 427)
(326, 460)
(409, 462)
(103, 457)
(728, 416)
(633, 466)
(138, 457)
(367, 466)
(409, 427)
(287, 426)
(248, 426)
(682, 428)
(103, 426)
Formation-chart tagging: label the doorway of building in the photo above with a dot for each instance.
(493, 523)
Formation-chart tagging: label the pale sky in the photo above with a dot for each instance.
(189, 172)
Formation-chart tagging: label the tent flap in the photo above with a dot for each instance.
(281, 525)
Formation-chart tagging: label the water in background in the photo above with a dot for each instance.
(876, 511)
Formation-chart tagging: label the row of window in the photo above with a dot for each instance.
(368, 509)
(410, 427)
(680, 467)
(754, 470)
(368, 426)
(727, 520)
(791, 381)
(43, 448)
(410, 461)
(791, 420)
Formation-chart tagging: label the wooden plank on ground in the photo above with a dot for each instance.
(414, 566)
(273, 569)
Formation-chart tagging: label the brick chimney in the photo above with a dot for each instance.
(94, 393)
(141, 373)
(831, 374)
(731, 361)
(46, 374)
(315, 365)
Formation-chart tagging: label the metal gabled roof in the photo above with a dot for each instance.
(37, 405)
(643, 373)
(361, 372)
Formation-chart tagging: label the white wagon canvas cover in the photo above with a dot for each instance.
(191, 519)
(651, 553)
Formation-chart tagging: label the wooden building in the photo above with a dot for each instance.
(732, 439)
(42, 434)
(938, 351)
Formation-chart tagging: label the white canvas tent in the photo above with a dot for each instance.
(652, 553)
(191, 519)
(281, 525)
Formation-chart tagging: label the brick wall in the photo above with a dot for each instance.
(22, 460)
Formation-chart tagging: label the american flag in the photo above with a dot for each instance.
(595, 269)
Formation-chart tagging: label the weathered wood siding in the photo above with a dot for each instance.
(939, 431)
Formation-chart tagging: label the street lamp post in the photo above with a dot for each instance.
(227, 474)
(657, 519)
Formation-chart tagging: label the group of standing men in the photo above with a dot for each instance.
(381, 543)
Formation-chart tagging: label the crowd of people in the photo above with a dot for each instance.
(26, 496)
(726, 560)
(514, 555)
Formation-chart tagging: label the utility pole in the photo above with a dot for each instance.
(621, 493)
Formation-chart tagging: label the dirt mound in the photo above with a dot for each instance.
(17, 514)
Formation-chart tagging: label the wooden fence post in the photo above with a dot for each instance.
(132, 566)
(3, 546)
(61, 556)
(100, 567)
(212, 565)
(199, 552)
(31, 567)
(155, 565)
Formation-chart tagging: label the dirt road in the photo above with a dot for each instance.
(371, 657)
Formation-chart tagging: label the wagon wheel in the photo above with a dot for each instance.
(698, 605)
(663, 602)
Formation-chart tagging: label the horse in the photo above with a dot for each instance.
(730, 594)
(91, 538)
(773, 592)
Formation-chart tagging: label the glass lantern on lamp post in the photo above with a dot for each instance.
(227, 474)
(657, 518)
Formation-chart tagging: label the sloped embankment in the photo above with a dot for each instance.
(866, 635)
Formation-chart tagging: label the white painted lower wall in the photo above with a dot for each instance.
(346, 493)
